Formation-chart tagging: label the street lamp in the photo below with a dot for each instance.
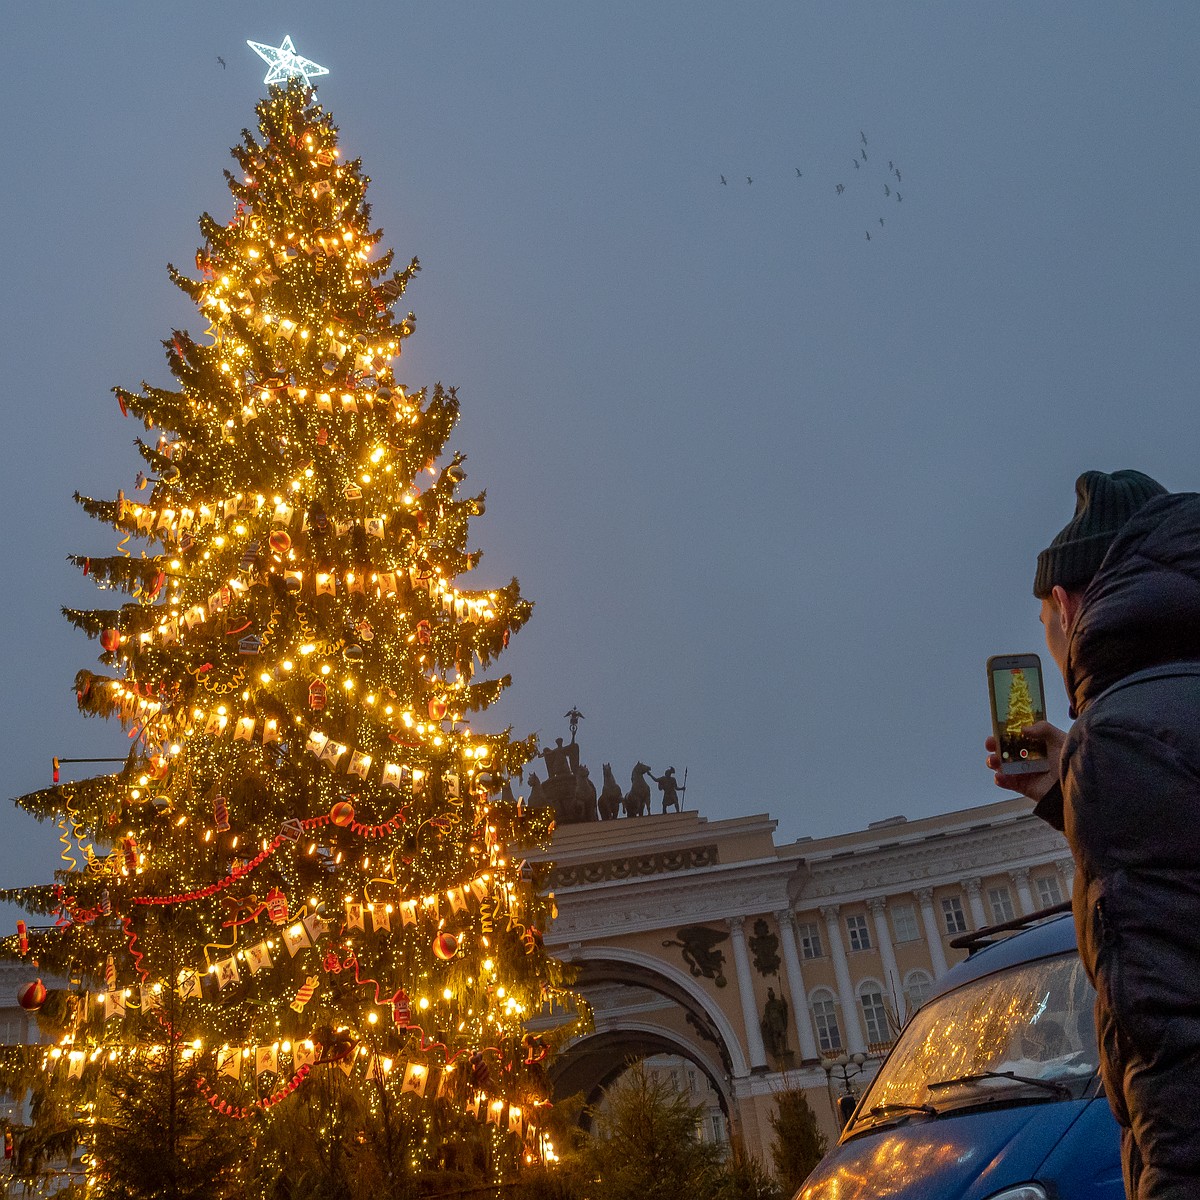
(845, 1066)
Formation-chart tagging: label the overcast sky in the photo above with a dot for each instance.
(775, 488)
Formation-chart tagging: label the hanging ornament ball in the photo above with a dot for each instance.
(158, 767)
(437, 708)
(110, 639)
(342, 813)
(445, 946)
(353, 652)
(281, 541)
(32, 996)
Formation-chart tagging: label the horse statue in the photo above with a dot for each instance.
(610, 796)
(585, 795)
(637, 799)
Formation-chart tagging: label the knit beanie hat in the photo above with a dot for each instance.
(1103, 503)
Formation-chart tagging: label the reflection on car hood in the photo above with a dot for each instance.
(964, 1155)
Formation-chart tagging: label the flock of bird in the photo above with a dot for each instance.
(888, 192)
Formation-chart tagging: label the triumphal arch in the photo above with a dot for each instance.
(768, 966)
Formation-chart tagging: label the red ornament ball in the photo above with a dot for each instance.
(437, 708)
(158, 767)
(280, 541)
(32, 996)
(342, 813)
(445, 946)
(110, 639)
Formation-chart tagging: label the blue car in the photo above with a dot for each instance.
(991, 1092)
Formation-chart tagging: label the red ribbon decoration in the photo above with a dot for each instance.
(236, 1110)
(221, 884)
(353, 961)
(131, 937)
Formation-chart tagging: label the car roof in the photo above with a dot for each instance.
(1048, 938)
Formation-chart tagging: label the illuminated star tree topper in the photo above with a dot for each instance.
(285, 63)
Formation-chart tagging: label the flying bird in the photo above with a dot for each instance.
(723, 180)
(898, 179)
(880, 220)
(899, 197)
(868, 235)
(798, 174)
(841, 187)
(863, 136)
(856, 163)
(221, 61)
(864, 154)
(748, 179)
(891, 165)
(887, 191)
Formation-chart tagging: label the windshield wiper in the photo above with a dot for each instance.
(887, 1110)
(1050, 1085)
(881, 1112)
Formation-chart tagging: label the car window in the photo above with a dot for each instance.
(1034, 1020)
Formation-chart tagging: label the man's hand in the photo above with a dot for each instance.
(1036, 784)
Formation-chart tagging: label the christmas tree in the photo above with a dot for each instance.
(302, 898)
(1020, 705)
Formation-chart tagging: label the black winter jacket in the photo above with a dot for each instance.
(1131, 774)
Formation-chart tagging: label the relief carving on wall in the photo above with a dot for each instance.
(700, 953)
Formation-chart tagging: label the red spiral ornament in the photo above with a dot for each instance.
(137, 956)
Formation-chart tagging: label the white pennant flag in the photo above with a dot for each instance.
(229, 1061)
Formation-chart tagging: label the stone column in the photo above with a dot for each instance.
(933, 934)
(975, 900)
(1021, 878)
(883, 935)
(741, 963)
(855, 1042)
(801, 1018)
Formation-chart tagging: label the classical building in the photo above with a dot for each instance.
(770, 966)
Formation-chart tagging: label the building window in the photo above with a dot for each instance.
(917, 986)
(952, 913)
(1000, 898)
(810, 941)
(904, 922)
(13, 1030)
(824, 1013)
(856, 927)
(1048, 890)
(875, 1017)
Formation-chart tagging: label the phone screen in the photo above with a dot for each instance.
(1018, 700)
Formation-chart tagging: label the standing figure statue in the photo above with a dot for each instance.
(669, 786)
(774, 1024)
(637, 799)
(558, 759)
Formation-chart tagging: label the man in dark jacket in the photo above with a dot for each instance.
(1120, 592)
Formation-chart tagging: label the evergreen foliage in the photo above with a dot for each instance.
(300, 917)
(645, 1143)
(799, 1143)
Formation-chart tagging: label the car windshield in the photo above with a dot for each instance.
(1027, 1030)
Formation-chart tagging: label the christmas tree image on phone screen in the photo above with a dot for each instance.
(1017, 702)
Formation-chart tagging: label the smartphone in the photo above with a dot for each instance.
(1018, 699)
